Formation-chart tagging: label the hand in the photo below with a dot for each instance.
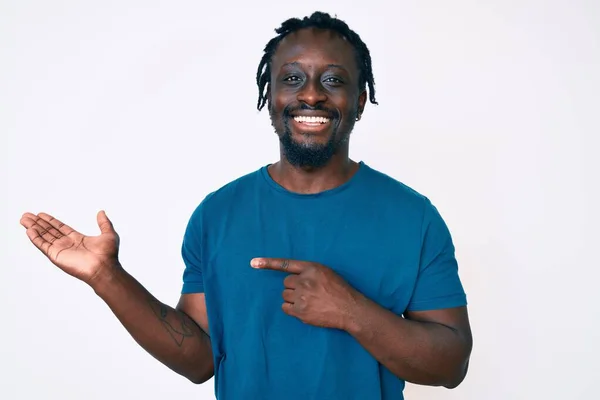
(313, 293)
(84, 257)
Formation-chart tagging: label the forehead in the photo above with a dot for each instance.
(312, 46)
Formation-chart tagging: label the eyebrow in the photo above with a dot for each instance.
(296, 64)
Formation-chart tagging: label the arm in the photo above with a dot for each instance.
(427, 347)
(175, 337)
(431, 345)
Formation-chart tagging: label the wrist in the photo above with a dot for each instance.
(105, 278)
(354, 314)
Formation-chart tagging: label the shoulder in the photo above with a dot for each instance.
(401, 203)
(226, 196)
(391, 192)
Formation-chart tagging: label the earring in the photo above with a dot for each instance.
(358, 117)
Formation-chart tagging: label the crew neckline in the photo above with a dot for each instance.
(264, 171)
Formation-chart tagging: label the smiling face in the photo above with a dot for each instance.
(314, 95)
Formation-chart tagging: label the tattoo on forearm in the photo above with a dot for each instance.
(179, 326)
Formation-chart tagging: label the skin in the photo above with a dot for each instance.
(175, 337)
(428, 347)
(315, 69)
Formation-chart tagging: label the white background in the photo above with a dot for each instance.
(490, 108)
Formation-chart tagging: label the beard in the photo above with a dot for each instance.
(307, 154)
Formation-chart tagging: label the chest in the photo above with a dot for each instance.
(376, 255)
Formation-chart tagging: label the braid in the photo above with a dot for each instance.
(322, 21)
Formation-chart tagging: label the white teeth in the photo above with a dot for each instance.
(311, 120)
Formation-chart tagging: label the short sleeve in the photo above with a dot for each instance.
(438, 284)
(191, 252)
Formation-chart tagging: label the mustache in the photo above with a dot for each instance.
(288, 110)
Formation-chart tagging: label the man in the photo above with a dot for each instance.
(316, 277)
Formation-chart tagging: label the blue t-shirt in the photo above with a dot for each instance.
(386, 240)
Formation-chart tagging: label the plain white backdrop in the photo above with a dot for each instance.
(141, 108)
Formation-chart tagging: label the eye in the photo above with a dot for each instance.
(291, 78)
(334, 80)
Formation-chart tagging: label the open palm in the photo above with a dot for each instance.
(78, 255)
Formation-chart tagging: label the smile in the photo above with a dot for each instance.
(311, 121)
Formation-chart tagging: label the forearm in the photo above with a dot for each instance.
(167, 334)
(418, 352)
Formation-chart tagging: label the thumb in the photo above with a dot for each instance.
(104, 223)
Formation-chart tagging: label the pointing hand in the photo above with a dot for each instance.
(313, 293)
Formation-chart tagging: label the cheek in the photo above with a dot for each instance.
(278, 104)
(349, 111)
(275, 113)
(345, 102)
(278, 98)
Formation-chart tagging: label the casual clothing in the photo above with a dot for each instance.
(386, 240)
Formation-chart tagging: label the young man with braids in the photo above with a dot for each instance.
(316, 277)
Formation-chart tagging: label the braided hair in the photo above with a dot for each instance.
(318, 20)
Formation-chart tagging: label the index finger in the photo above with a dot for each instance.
(279, 264)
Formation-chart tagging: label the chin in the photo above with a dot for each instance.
(310, 141)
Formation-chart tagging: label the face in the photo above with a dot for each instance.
(313, 96)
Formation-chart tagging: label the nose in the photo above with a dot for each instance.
(312, 93)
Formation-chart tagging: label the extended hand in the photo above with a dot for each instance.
(313, 293)
(83, 257)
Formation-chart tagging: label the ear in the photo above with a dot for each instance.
(362, 101)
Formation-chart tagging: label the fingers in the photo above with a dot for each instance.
(65, 230)
(28, 219)
(289, 295)
(288, 308)
(43, 230)
(34, 233)
(279, 264)
(41, 227)
(104, 223)
(291, 281)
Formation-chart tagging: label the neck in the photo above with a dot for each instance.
(307, 180)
